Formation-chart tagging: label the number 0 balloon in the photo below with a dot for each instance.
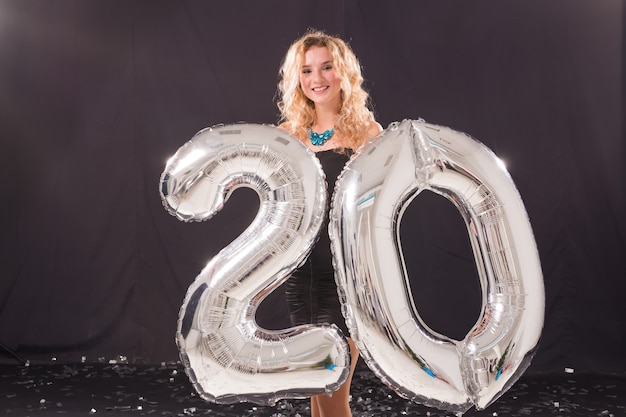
(227, 356)
(370, 196)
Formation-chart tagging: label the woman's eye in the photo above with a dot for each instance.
(327, 67)
(306, 71)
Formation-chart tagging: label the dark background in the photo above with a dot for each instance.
(96, 95)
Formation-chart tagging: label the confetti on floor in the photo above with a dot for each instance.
(122, 389)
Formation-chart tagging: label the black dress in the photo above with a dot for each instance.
(311, 291)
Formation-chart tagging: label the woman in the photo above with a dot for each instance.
(323, 103)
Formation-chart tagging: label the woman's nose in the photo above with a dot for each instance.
(317, 75)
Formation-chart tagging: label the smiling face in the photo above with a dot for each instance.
(318, 79)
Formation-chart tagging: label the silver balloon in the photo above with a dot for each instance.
(370, 197)
(227, 356)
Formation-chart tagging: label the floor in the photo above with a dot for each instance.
(123, 389)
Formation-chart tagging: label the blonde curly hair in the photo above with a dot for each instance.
(298, 112)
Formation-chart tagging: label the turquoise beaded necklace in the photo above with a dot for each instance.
(318, 139)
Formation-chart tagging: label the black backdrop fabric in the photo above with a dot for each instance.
(96, 95)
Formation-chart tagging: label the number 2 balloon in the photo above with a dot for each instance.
(227, 356)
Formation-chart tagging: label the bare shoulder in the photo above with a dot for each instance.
(374, 129)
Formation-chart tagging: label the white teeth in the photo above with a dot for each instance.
(319, 88)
